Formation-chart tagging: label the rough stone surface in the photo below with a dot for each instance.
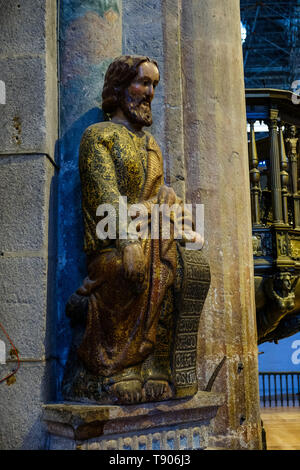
(27, 20)
(23, 118)
(23, 303)
(28, 69)
(24, 202)
(21, 426)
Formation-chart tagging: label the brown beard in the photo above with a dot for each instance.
(137, 110)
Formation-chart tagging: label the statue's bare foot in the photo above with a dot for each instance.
(157, 390)
(126, 392)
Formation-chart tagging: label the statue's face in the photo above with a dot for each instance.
(136, 103)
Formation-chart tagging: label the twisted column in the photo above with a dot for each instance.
(275, 168)
(284, 176)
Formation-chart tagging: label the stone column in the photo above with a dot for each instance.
(217, 175)
(28, 122)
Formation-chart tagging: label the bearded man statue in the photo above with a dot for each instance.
(136, 316)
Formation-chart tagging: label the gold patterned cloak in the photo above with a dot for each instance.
(122, 321)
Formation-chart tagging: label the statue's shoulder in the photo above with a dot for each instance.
(106, 131)
(151, 143)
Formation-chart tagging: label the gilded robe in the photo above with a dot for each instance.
(122, 321)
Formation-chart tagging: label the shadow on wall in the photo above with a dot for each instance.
(90, 35)
(71, 268)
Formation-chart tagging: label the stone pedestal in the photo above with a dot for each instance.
(217, 175)
(170, 425)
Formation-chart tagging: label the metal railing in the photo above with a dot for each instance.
(279, 388)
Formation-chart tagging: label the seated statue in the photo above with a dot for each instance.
(135, 318)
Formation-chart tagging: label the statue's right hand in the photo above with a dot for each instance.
(134, 264)
(166, 195)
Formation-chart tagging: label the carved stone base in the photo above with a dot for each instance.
(169, 425)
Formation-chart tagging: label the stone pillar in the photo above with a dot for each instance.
(217, 175)
(28, 122)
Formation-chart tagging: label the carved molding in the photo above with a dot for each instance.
(262, 244)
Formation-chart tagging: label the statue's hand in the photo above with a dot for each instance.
(134, 265)
(193, 237)
(166, 195)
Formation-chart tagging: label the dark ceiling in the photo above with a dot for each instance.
(272, 46)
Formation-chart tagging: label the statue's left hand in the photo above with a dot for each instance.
(193, 237)
(197, 238)
(167, 196)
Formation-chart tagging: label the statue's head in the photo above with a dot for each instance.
(129, 86)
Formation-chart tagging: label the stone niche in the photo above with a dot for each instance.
(198, 122)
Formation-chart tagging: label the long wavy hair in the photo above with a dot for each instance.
(119, 75)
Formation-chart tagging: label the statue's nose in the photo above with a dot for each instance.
(150, 91)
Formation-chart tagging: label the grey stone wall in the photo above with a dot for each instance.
(28, 123)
